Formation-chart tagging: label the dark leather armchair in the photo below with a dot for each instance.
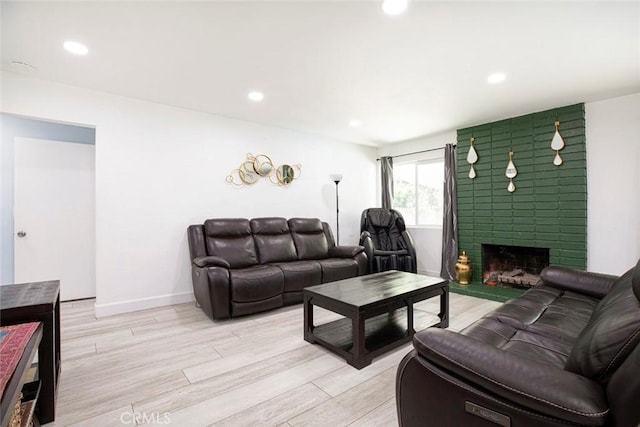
(386, 241)
(565, 353)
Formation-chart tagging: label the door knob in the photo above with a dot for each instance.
(21, 233)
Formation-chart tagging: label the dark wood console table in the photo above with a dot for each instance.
(38, 302)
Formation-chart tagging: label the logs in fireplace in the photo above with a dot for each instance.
(513, 266)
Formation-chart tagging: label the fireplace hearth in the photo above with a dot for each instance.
(513, 266)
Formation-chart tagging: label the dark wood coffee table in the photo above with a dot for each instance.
(378, 311)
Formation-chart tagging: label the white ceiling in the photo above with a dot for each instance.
(321, 64)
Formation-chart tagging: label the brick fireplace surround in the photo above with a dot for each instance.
(549, 206)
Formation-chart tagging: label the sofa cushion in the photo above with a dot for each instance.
(309, 238)
(256, 283)
(338, 268)
(612, 332)
(542, 324)
(300, 274)
(273, 240)
(231, 239)
(586, 283)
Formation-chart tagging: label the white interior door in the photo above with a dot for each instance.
(54, 215)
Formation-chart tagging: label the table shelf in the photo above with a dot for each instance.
(380, 331)
(17, 380)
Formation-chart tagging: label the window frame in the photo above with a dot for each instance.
(416, 164)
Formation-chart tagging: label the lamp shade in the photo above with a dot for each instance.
(336, 177)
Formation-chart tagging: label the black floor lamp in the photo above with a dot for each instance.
(337, 177)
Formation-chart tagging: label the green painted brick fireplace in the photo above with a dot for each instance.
(549, 206)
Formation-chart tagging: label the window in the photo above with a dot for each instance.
(418, 188)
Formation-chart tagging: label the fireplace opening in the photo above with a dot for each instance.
(513, 266)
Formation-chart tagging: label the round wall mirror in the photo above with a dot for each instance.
(285, 174)
(262, 165)
(247, 173)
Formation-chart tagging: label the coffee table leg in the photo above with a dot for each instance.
(444, 308)
(410, 330)
(359, 351)
(308, 319)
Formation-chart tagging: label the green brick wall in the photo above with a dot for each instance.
(548, 208)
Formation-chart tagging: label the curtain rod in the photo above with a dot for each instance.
(416, 152)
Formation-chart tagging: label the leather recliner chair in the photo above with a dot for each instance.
(386, 241)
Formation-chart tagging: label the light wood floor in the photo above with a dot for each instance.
(174, 366)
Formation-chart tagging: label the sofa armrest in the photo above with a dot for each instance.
(582, 282)
(211, 261)
(345, 251)
(534, 385)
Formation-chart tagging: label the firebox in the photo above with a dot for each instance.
(515, 266)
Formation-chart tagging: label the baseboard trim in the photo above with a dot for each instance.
(429, 273)
(110, 309)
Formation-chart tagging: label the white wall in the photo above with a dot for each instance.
(613, 174)
(160, 168)
(428, 240)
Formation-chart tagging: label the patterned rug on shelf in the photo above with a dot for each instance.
(13, 340)
(493, 293)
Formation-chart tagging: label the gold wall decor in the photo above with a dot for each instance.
(261, 166)
(472, 157)
(557, 144)
(511, 173)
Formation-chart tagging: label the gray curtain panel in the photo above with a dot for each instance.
(386, 169)
(450, 216)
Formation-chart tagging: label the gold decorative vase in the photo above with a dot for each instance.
(463, 269)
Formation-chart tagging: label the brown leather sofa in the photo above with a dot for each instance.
(242, 266)
(565, 353)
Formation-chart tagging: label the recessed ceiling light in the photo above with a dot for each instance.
(496, 78)
(76, 48)
(256, 96)
(394, 7)
(355, 123)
